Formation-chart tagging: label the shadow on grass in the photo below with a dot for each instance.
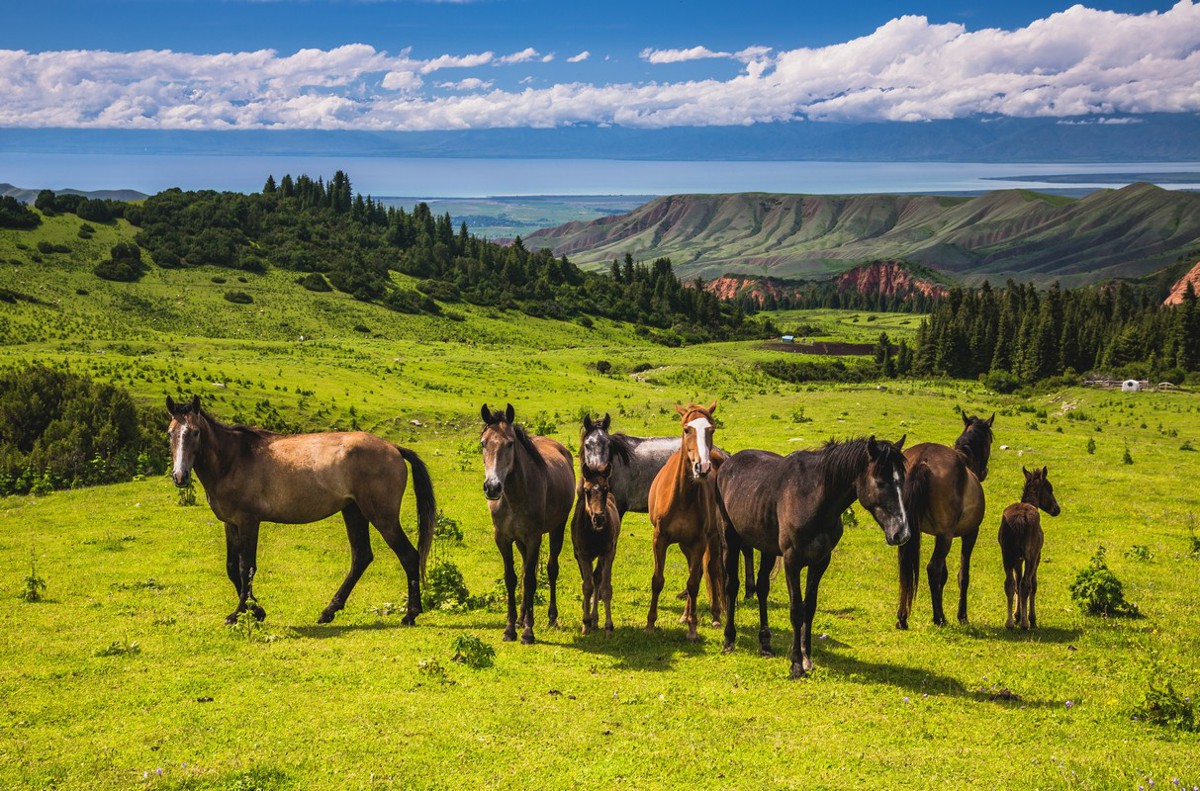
(1042, 634)
(633, 649)
(327, 630)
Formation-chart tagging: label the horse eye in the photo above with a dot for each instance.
(510, 443)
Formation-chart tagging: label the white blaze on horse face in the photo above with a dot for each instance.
(177, 473)
(900, 500)
(701, 426)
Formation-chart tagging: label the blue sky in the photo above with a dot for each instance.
(403, 64)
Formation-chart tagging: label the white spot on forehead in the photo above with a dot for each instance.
(699, 423)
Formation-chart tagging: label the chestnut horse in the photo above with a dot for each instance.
(684, 511)
(791, 506)
(529, 483)
(1021, 545)
(251, 475)
(594, 533)
(944, 498)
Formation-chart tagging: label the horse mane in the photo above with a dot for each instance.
(974, 443)
(846, 459)
(622, 445)
(522, 437)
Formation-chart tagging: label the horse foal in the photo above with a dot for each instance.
(1021, 546)
(594, 533)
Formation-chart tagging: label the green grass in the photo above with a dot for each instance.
(366, 703)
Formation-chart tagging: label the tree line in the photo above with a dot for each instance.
(332, 236)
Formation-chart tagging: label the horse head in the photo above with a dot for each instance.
(596, 443)
(697, 437)
(184, 433)
(881, 491)
(595, 496)
(497, 441)
(1039, 491)
(975, 443)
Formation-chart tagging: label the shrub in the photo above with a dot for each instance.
(14, 214)
(1162, 705)
(220, 281)
(238, 297)
(446, 588)
(35, 587)
(473, 652)
(125, 264)
(119, 648)
(448, 529)
(1097, 591)
(314, 281)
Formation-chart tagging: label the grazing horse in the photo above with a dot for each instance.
(251, 476)
(943, 497)
(684, 511)
(1021, 545)
(632, 463)
(791, 506)
(594, 533)
(529, 483)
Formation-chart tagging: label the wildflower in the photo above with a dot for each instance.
(1071, 704)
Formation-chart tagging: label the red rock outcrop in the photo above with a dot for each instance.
(1177, 290)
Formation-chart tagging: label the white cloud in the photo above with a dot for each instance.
(580, 58)
(680, 55)
(1077, 63)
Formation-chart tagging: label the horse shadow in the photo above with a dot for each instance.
(1042, 634)
(326, 631)
(633, 649)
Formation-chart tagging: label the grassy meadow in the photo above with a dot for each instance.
(125, 676)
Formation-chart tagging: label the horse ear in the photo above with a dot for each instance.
(196, 404)
(966, 420)
(900, 444)
(1044, 472)
(606, 421)
(1028, 474)
(712, 407)
(486, 414)
(680, 409)
(171, 405)
(587, 424)
(991, 420)
(509, 413)
(872, 448)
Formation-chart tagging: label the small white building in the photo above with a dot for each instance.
(788, 338)
(1130, 386)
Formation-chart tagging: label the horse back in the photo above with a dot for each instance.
(954, 502)
(1020, 531)
(748, 483)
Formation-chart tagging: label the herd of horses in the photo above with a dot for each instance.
(718, 507)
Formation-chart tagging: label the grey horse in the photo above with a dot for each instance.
(632, 463)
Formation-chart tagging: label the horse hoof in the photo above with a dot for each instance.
(586, 630)
(650, 629)
(750, 597)
(552, 623)
(231, 619)
(325, 617)
(409, 620)
(528, 639)
(962, 620)
(608, 631)
(693, 637)
(766, 651)
(259, 613)
(808, 665)
(509, 636)
(682, 595)
(716, 622)
(797, 670)
(939, 621)
(1010, 626)
(727, 648)
(902, 625)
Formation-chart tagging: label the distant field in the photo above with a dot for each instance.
(505, 217)
(360, 703)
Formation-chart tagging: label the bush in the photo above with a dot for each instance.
(125, 264)
(14, 214)
(314, 281)
(446, 588)
(448, 529)
(1162, 705)
(1097, 591)
(238, 297)
(440, 289)
(473, 652)
(1001, 382)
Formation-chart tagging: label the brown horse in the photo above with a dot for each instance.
(594, 533)
(684, 511)
(251, 476)
(944, 498)
(1021, 545)
(529, 483)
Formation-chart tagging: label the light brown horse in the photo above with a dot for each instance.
(594, 533)
(684, 511)
(1021, 546)
(252, 476)
(529, 483)
(944, 498)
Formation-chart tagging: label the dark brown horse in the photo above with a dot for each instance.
(529, 483)
(594, 533)
(791, 506)
(1021, 546)
(252, 476)
(943, 497)
(684, 511)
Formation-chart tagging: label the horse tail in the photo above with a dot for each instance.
(427, 513)
(915, 496)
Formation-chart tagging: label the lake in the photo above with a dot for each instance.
(461, 177)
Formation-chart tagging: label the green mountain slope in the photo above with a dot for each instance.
(1007, 233)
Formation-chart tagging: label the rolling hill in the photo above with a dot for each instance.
(1002, 234)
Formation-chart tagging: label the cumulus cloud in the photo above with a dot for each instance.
(580, 58)
(1079, 63)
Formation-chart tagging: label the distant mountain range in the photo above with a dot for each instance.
(1007, 233)
(29, 195)
(1142, 138)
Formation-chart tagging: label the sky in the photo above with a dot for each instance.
(406, 65)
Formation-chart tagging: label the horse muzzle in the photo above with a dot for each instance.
(181, 479)
(1054, 511)
(896, 538)
(493, 490)
(599, 521)
(701, 470)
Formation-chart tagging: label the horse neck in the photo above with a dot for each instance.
(1032, 493)
(845, 470)
(682, 484)
(218, 445)
(976, 458)
(521, 474)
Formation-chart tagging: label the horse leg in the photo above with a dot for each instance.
(748, 558)
(529, 567)
(606, 587)
(585, 571)
(1012, 577)
(763, 587)
(410, 561)
(510, 587)
(733, 547)
(696, 556)
(815, 571)
(556, 545)
(964, 573)
(1031, 575)
(909, 554)
(937, 573)
(716, 581)
(598, 588)
(656, 581)
(233, 567)
(358, 530)
(792, 563)
(247, 566)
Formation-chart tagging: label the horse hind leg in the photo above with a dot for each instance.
(241, 563)
(748, 559)
(695, 572)
(732, 551)
(358, 531)
(1012, 581)
(606, 589)
(410, 560)
(585, 573)
(529, 568)
(556, 545)
(763, 588)
(964, 573)
(656, 580)
(938, 575)
(909, 555)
